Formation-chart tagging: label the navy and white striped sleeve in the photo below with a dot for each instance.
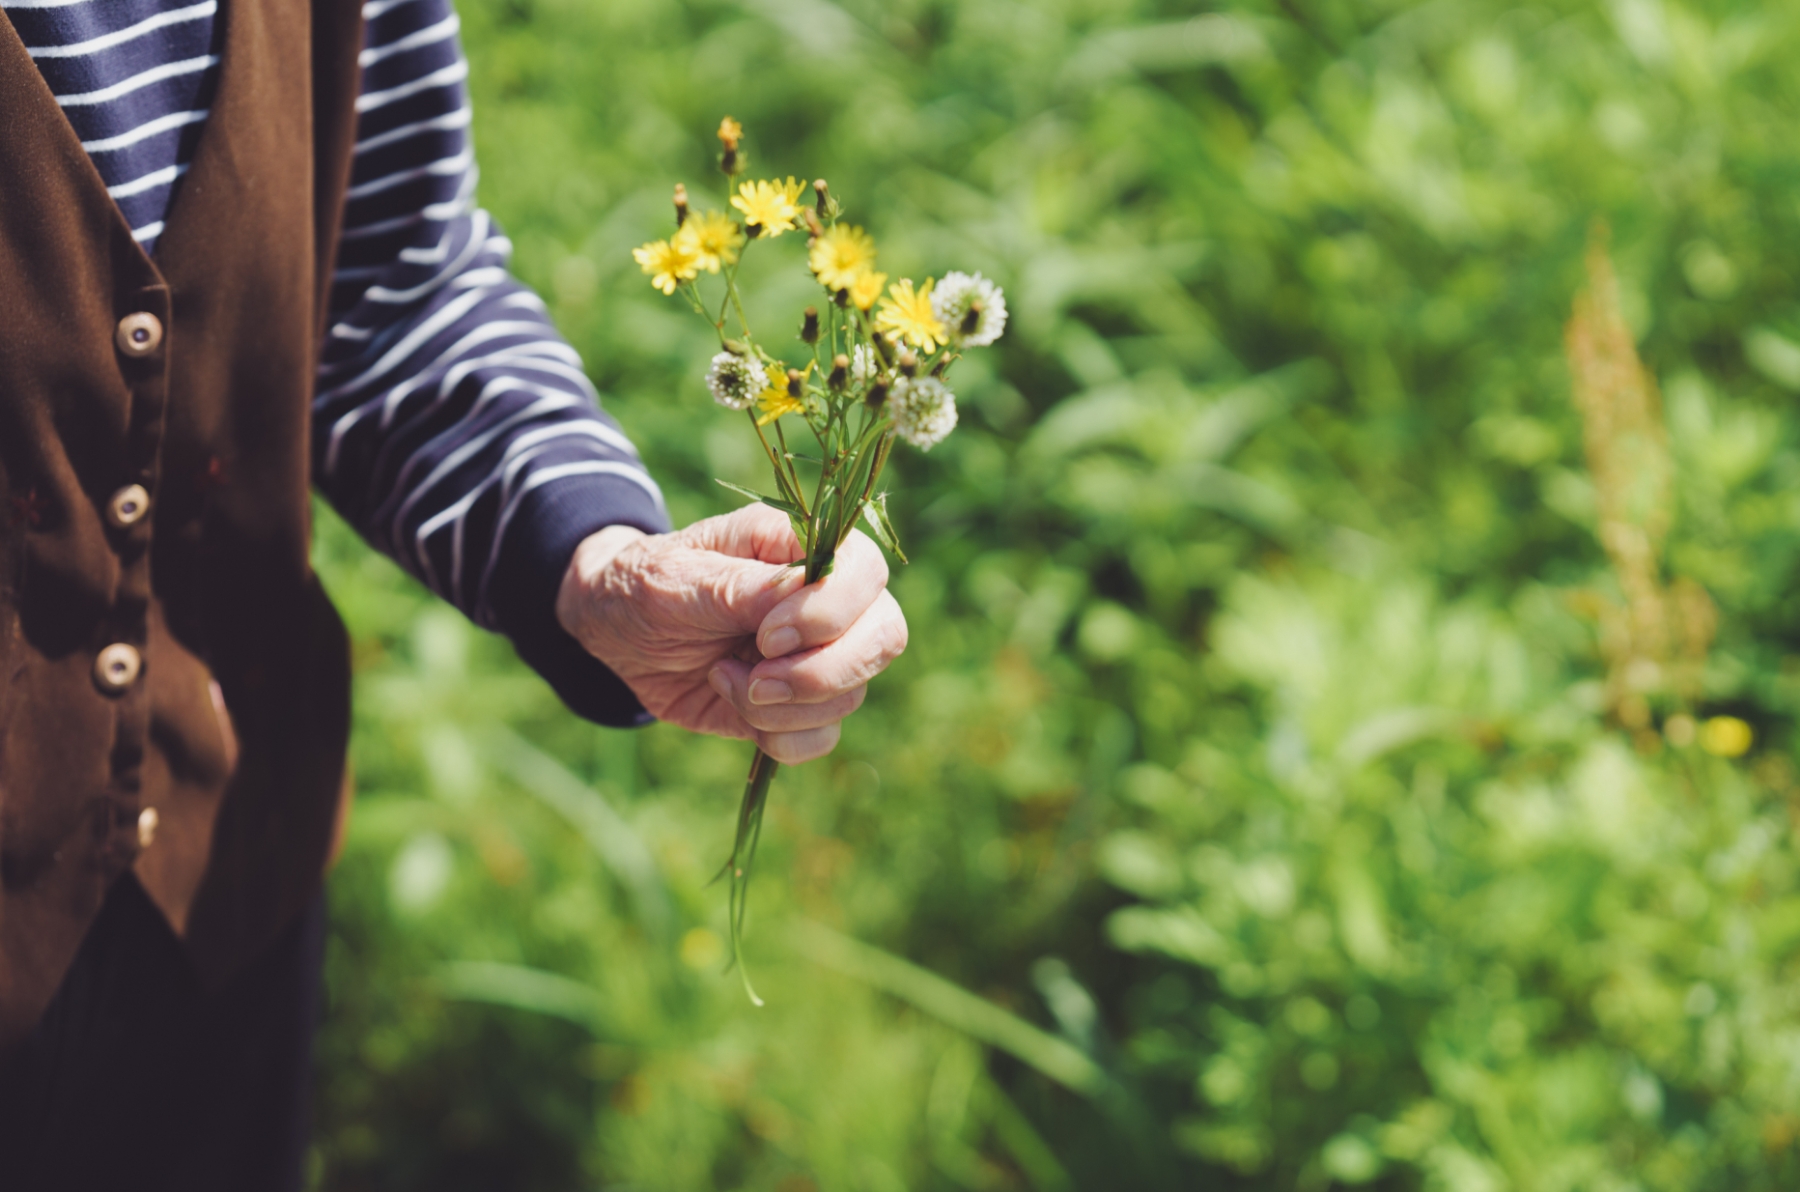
(453, 427)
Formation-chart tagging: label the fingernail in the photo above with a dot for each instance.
(722, 685)
(781, 641)
(770, 691)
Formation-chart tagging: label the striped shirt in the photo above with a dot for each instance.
(452, 425)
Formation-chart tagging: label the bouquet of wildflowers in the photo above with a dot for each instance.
(873, 369)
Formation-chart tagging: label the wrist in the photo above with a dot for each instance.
(592, 556)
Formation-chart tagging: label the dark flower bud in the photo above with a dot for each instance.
(809, 326)
(796, 382)
(877, 395)
(822, 198)
(972, 319)
(840, 372)
(942, 366)
(909, 364)
(729, 162)
(681, 204)
(842, 298)
(752, 231)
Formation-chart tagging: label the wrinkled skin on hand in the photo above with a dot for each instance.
(714, 633)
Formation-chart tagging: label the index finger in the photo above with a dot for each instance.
(820, 612)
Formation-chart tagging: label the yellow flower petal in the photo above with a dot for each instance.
(771, 206)
(776, 400)
(668, 262)
(866, 289)
(841, 257)
(908, 315)
(713, 238)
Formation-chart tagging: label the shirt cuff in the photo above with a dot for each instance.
(552, 521)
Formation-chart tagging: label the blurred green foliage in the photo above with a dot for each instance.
(1250, 809)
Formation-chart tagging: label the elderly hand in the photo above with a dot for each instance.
(713, 633)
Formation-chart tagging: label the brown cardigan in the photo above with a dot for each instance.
(120, 609)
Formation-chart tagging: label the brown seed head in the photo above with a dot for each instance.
(972, 319)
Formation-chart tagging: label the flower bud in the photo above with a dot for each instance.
(877, 395)
(840, 372)
(736, 347)
(796, 382)
(730, 163)
(822, 198)
(681, 204)
(842, 298)
(972, 319)
(909, 364)
(943, 365)
(809, 326)
(814, 228)
(752, 231)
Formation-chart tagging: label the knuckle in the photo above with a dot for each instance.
(893, 637)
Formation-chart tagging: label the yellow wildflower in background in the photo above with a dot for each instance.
(730, 132)
(909, 316)
(668, 262)
(771, 206)
(841, 257)
(866, 289)
(1726, 736)
(713, 237)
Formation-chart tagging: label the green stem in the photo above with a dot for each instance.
(743, 858)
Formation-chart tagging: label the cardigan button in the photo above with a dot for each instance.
(147, 821)
(117, 667)
(139, 334)
(127, 506)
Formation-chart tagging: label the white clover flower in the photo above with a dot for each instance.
(923, 409)
(864, 365)
(736, 380)
(956, 297)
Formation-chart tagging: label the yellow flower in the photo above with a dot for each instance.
(776, 400)
(730, 132)
(1726, 736)
(668, 262)
(771, 206)
(713, 238)
(866, 289)
(841, 256)
(909, 316)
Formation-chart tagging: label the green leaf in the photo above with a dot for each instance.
(876, 514)
(787, 507)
